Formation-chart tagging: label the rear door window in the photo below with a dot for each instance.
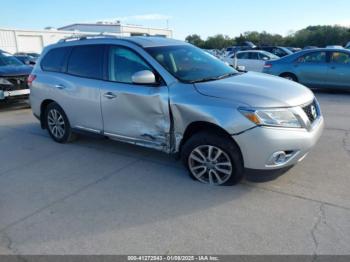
(244, 55)
(314, 57)
(54, 60)
(86, 61)
(254, 56)
(263, 57)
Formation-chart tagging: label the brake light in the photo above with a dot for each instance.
(267, 65)
(30, 79)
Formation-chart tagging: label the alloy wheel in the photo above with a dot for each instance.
(56, 123)
(210, 164)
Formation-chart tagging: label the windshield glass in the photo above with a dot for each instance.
(6, 59)
(190, 64)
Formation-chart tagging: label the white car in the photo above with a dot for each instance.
(252, 60)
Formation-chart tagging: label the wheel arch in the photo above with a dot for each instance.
(202, 126)
(290, 74)
(43, 108)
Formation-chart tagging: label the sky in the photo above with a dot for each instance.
(184, 17)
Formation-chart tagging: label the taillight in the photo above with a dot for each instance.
(267, 65)
(30, 79)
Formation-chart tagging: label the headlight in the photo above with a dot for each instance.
(3, 81)
(282, 117)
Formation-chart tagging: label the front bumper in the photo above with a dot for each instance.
(259, 144)
(14, 93)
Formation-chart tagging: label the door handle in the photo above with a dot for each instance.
(110, 95)
(60, 86)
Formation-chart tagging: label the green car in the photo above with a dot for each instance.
(315, 68)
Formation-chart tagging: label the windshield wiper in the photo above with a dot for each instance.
(212, 78)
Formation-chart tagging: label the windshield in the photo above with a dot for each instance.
(6, 59)
(190, 64)
(287, 50)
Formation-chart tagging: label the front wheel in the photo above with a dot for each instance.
(212, 159)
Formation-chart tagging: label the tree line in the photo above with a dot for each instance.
(320, 36)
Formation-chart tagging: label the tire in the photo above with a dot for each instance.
(290, 77)
(57, 124)
(213, 168)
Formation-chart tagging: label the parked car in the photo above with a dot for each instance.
(334, 46)
(13, 78)
(171, 96)
(310, 47)
(276, 50)
(26, 59)
(294, 49)
(319, 68)
(253, 60)
(247, 45)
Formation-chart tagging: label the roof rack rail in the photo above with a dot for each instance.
(77, 37)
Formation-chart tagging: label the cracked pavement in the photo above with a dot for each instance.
(97, 196)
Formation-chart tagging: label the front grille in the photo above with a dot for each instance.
(312, 111)
(18, 83)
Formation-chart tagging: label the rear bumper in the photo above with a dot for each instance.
(23, 93)
(259, 145)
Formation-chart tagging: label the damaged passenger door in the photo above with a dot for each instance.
(134, 113)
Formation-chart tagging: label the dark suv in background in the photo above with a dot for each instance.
(276, 50)
(13, 78)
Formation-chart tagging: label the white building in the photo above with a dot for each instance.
(15, 40)
(118, 28)
(18, 40)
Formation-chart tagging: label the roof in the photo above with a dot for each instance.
(87, 24)
(323, 49)
(146, 41)
(142, 41)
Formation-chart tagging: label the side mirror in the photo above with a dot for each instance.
(266, 58)
(241, 68)
(144, 77)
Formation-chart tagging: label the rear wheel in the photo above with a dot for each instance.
(58, 125)
(212, 159)
(290, 77)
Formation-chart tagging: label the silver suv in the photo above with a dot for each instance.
(171, 96)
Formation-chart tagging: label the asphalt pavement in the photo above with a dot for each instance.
(97, 196)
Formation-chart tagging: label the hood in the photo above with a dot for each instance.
(257, 90)
(15, 70)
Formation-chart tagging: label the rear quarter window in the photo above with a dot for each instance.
(54, 60)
